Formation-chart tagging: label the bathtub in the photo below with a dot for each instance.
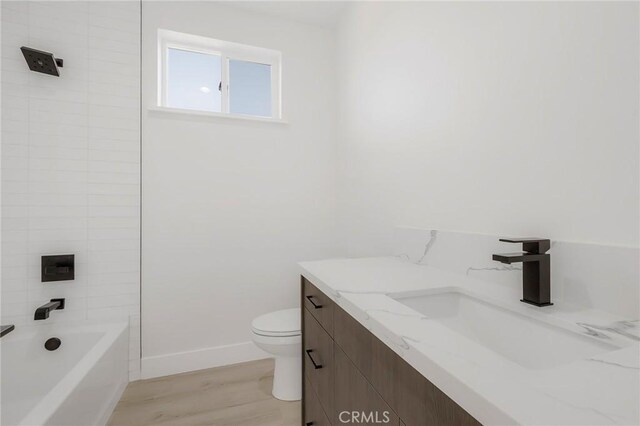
(77, 384)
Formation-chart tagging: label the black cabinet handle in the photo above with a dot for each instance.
(316, 366)
(310, 298)
(308, 424)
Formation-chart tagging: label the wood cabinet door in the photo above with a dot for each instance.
(370, 355)
(356, 401)
(317, 353)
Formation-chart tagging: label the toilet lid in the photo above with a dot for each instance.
(279, 323)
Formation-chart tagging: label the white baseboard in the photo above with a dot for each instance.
(182, 362)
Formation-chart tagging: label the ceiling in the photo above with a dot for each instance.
(321, 13)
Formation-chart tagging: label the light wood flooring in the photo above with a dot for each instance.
(236, 395)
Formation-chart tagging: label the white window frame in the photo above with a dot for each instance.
(227, 51)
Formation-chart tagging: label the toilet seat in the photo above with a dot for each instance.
(273, 341)
(283, 323)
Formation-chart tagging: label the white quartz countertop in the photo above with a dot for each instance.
(599, 390)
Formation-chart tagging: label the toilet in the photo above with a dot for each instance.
(278, 333)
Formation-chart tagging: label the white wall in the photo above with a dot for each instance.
(71, 161)
(500, 118)
(230, 206)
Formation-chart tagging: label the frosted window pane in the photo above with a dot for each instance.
(192, 80)
(249, 88)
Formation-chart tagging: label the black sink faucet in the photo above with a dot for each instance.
(536, 269)
(42, 312)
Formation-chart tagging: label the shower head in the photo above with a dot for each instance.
(41, 61)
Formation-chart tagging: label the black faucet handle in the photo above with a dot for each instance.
(531, 245)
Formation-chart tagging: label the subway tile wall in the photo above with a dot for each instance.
(71, 161)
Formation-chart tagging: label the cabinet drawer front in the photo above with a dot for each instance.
(319, 304)
(317, 357)
(356, 401)
(314, 415)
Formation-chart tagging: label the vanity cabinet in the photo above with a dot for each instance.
(351, 377)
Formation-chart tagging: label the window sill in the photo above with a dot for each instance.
(215, 115)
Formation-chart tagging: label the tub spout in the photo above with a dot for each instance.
(42, 312)
(6, 329)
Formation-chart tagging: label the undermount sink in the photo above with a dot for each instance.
(525, 341)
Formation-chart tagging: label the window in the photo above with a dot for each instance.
(249, 88)
(204, 74)
(193, 79)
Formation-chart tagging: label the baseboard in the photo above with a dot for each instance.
(182, 362)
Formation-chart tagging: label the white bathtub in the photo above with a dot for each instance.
(77, 384)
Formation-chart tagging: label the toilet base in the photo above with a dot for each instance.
(287, 379)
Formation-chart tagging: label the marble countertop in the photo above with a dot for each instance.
(599, 390)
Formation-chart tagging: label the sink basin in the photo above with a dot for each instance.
(525, 341)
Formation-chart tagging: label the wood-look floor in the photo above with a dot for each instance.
(236, 395)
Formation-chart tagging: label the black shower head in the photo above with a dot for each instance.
(41, 61)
